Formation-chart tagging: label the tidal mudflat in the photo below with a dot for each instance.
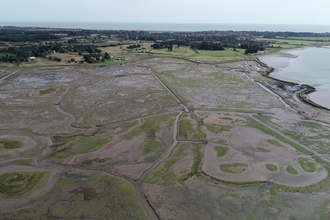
(160, 138)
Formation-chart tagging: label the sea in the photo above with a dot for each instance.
(173, 26)
(309, 65)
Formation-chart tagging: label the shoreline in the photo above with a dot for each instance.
(302, 95)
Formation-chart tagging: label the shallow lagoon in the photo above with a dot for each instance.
(304, 66)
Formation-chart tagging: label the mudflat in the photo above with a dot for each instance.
(162, 138)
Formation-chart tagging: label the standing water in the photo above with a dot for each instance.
(309, 66)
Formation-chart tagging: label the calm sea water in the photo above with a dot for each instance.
(306, 66)
(175, 26)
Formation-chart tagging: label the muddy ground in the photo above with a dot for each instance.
(146, 138)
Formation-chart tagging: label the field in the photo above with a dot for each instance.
(179, 134)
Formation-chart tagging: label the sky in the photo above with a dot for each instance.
(168, 11)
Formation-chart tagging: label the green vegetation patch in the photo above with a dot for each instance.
(191, 129)
(261, 149)
(272, 191)
(292, 170)
(234, 168)
(156, 175)
(306, 165)
(269, 131)
(47, 91)
(19, 184)
(169, 178)
(151, 125)
(222, 151)
(275, 142)
(323, 186)
(215, 128)
(24, 162)
(109, 62)
(106, 197)
(272, 167)
(151, 146)
(240, 105)
(198, 158)
(65, 147)
(185, 128)
(10, 144)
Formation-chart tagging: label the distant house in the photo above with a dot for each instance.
(32, 58)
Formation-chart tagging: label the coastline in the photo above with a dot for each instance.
(302, 95)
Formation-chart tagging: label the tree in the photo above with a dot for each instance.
(107, 56)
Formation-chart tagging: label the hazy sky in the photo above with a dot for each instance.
(177, 11)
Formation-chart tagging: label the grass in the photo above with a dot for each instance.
(323, 186)
(222, 151)
(275, 142)
(198, 159)
(189, 130)
(68, 146)
(128, 189)
(272, 167)
(307, 165)
(10, 144)
(295, 42)
(235, 168)
(269, 131)
(151, 125)
(20, 184)
(202, 55)
(222, 53)
(151, 146)
(290, 169)
(47, 91)
(185, 128)
(272, 191)
(261, 149)
(169, 179)
(215, 128)
(156, 175)
(24, 162)
(240, 105)
(106, 197)
(109, 62)
(181, 148)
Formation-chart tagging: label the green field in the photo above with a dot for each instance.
(10, 144)
(271, 167)
(222, 151)
(307, 165)
(20, 184)
(292, 170)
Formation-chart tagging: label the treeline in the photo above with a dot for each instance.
(27, 37)
(207, 46)
(23, 52)
(96, 57)
(248, 45)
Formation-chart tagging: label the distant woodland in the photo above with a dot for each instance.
(19, 44)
